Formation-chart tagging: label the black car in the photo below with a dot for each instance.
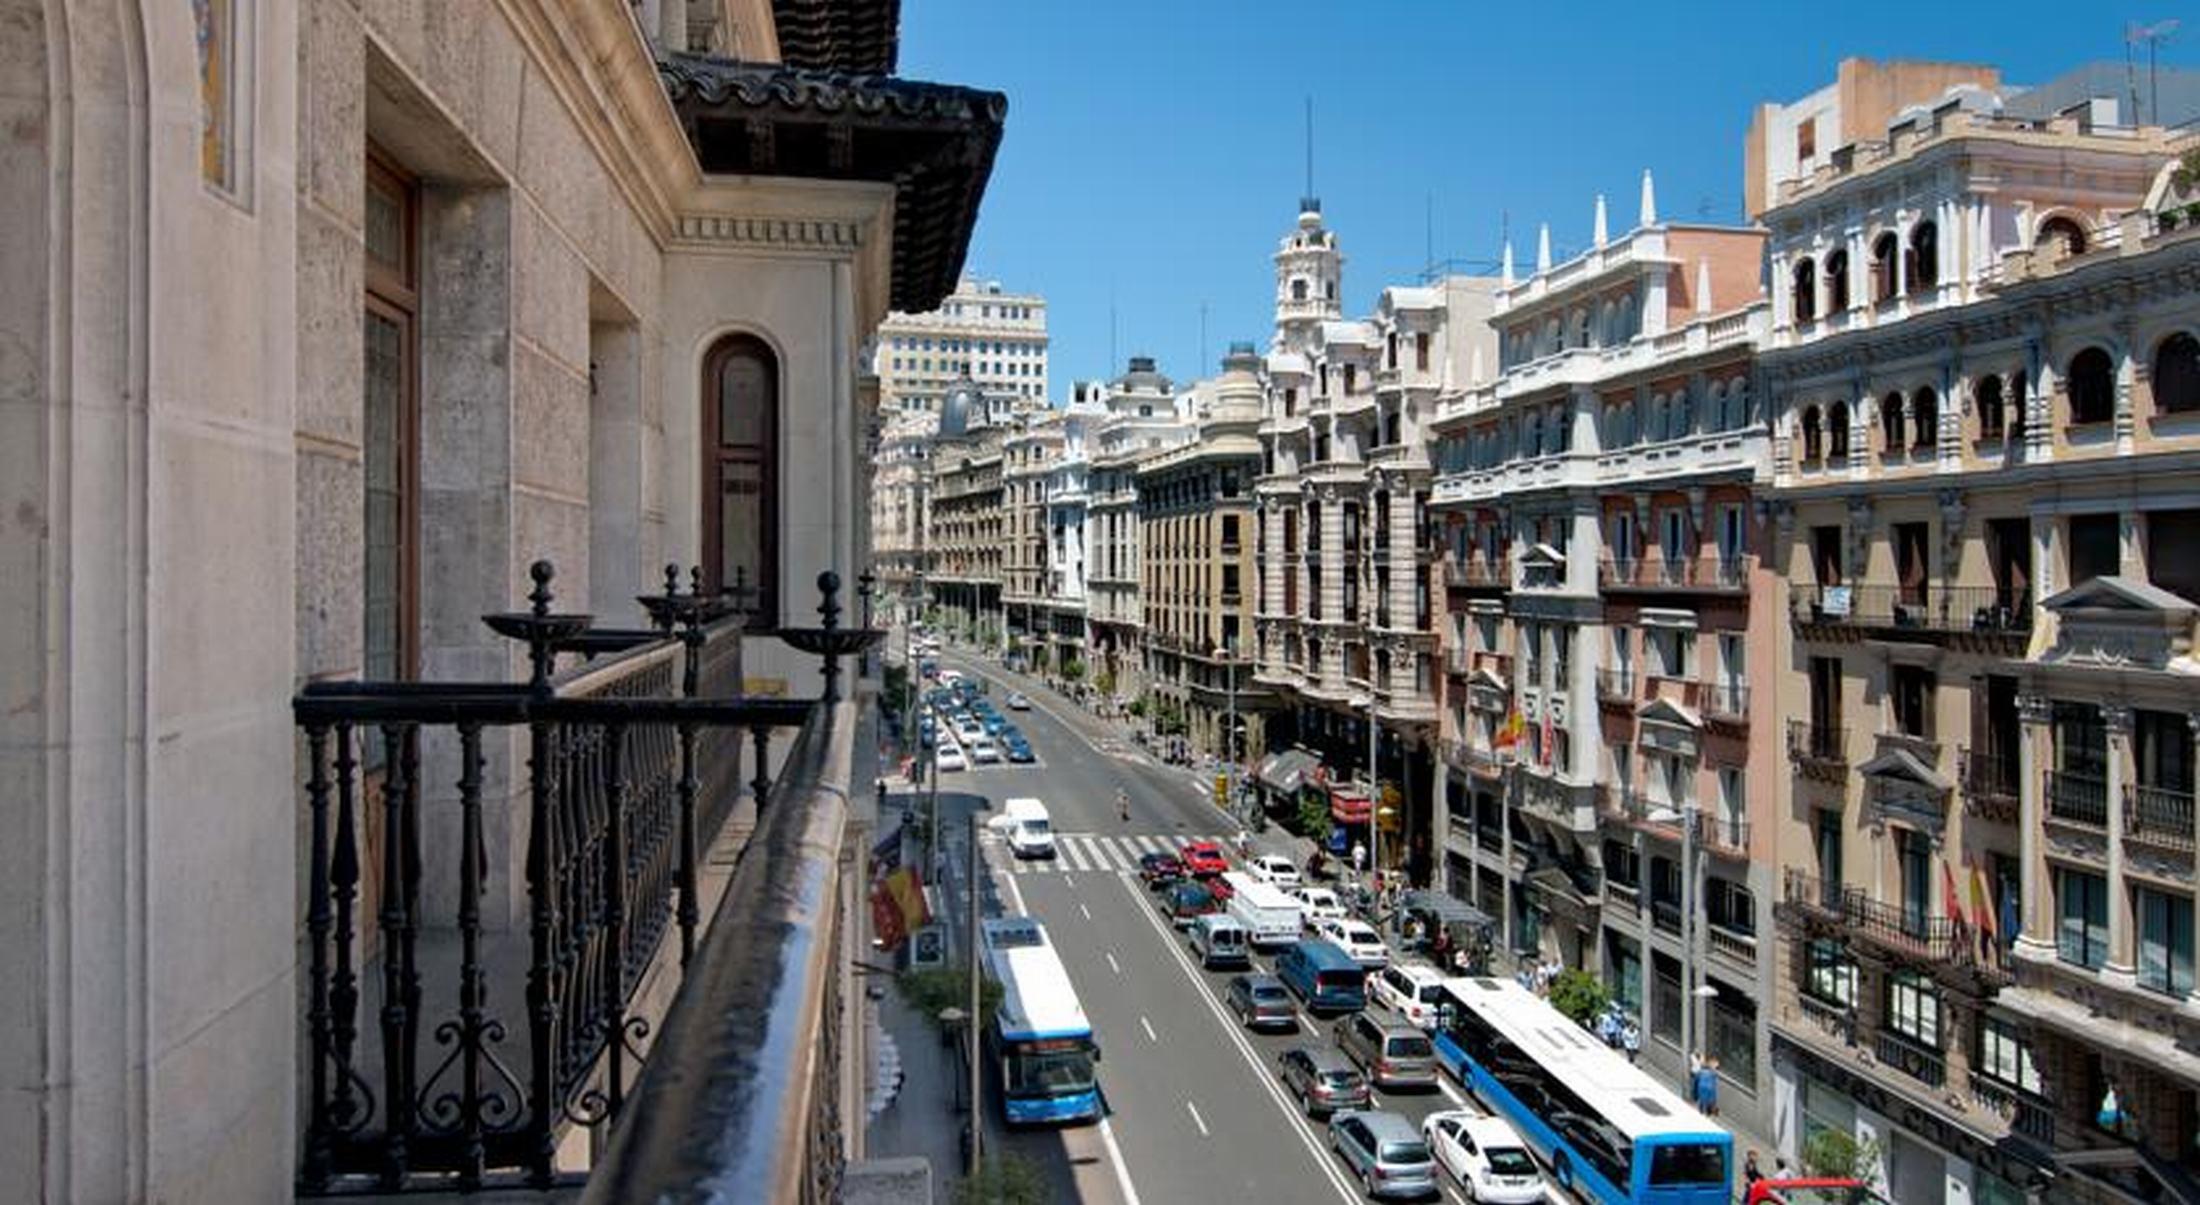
(1159, 870)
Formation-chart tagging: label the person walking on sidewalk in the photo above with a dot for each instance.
(1123, 804)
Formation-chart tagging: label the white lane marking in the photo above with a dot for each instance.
(1315, 1146)
(1113, 965)
(1449, 1091)
(1014, 892)
(1073, 852)
(1197, 1120)
(1115, 1158)
(1148, 1027)
(1087, 911)
(1069, 882)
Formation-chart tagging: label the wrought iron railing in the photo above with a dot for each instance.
(1680, 573)
(2026, 1113)
(1818, 745)
(2159, 816)
(1913, 1058)
(1616, 685)
(1922, 607)
(630, 769)
(2077, 798)
(1726, 700)
(1989, 781)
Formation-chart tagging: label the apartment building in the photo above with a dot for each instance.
(1982, 379)
(1067, 495)
(966, 554)
(1142, 420)
(900, 484)
(1605, 781)
(996, 339)
(1028, 456)
(1196, 519)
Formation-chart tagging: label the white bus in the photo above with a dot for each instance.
(1270, 916)
(1611, 1133)
(1040, 1040)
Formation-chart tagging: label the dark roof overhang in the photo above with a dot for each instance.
(933, 142)
(860, 37)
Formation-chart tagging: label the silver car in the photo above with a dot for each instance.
(1384, 1151)
(1394, 1053)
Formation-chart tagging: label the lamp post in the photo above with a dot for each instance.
(1229, 731)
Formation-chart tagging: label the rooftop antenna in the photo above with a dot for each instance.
(2153, 35)
(1308, 202)
(1112, 361)
(1428, 236)
(1202, 361)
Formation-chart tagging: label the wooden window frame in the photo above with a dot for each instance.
(395, 297)
(763, 613)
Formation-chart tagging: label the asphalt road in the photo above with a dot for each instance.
(1196, 1112)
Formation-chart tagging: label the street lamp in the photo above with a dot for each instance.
(1688, 816)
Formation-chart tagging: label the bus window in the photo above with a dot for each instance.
(1687, 1163)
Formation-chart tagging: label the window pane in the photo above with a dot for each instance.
(744, 402)
(385, 473)
(741, 522)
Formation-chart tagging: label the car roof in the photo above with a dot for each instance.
(1486, 1130)
(1261, 979)
(1388, 1126)
(1389, 1023)
(1419, 972)
(1327, 1058)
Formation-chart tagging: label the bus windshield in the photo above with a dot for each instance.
(1050, 1069)
(1687, 1163)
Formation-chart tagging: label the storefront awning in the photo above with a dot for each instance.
(1347, 807)
(1285, 772)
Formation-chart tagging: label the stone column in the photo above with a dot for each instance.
(2037, 937)
(2122, 940)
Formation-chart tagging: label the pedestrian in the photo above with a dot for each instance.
(1123, 804)
(1359, 857)
(1751, 1173)
(1707, 1087)
(1630, 1040)
(1608, 1027)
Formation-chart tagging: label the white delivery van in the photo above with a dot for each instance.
(1270, 917)
(1219, 941)
(1030, 832)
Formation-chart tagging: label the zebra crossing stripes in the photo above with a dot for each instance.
(1097, 853)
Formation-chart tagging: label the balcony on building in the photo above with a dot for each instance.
(1657, 575)
(1819, 749)
(1982, 618)
(1988, 778)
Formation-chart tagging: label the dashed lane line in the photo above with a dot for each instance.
(1197, 1120)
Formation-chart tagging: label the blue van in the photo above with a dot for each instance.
(1323, 975)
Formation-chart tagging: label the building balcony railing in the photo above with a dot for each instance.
(1616, 685)
(1728, 835)
(2158, 816)
(2077, 798)
(1819, 749)
(1666, 914)
(633, 767)
(1734, 943)
(1922, 610)
(1710, 573)
(1913, 1058)
(1910, 933)
(2026, 1114)
(1476, 572)
(1988, 779)
(1835, 1021)
(1726, 701)
(1457, 660)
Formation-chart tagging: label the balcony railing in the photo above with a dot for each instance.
(1616, 685)
(1735, 944)
(1913, 1058)
(1924, 608)
(1474, 571)
(1909, 932)
(2027, 1114)
(1728, 701)
(2077, 798)
(1666, 914)
(1989, 782)
(632, 766)
(1719, 573)
(1822, 747)
(1724, 834)
(2158, 816)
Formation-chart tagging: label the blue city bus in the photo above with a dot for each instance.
(1610, 1132)
(1039, 1039)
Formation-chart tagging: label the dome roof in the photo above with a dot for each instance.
(961, 408)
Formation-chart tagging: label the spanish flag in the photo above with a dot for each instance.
(1509, 733)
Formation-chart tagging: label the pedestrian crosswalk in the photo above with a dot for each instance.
(1095, 852)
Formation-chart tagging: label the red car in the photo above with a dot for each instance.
(1203, 859)
(1159, 870)
(1218, 887)
(1823, 1190)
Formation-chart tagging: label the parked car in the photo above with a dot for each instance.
(1486, 1156)
(966, 732)
(1413, 990)
(1185, 902)
(1016, 747)
(1394, 1052)
(1356, 938)
(984, 752)
(1203, 858)
(949, 756)
(1275, 869)
(1319, 904)
(1219, 887)
(1159, 870)
(1017, 702)
(1385, 1152)
(1322, 1079)
(1262, 1002)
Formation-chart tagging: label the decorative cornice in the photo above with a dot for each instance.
(818, 233)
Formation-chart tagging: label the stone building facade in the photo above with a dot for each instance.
(330, 319)
(1028, 457)
(1142, 420)
(992, 337)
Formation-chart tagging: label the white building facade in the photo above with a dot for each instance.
(996, 338)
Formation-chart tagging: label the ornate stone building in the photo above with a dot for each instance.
(1142, 420)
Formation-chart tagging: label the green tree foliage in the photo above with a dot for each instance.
(1581, 996)
(931, 990)
(1006, 1178)
(1313, 815)
(1837, 1153)
(1073, 671)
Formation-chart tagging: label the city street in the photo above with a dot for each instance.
(1196, 1111)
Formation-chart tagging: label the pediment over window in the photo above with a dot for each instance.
(1666, 711)
(1543, 556)
(2116, 622)
(1901, 770)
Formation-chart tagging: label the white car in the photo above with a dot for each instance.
(1017, 702)
(1356, 938)
(1485, 1155)
(969, 732)
(1318, 904)
(1413, 990)
(949, 756)
(984, 752)
(1275, 870)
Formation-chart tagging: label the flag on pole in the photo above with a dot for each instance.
(1550, 738)
(1949, 899)
(1982, 901)
(1510, 732)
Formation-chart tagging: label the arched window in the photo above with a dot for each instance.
(1890, 425)
(1684, 414)
(2018, 397)
(1924, 256)
(2060, 236)
(1925, 416)
(2092, 387)
(741, 472)
(1837, 282)
(1991, 420)
(1885, 249)
(1837, 431)
(2177, 374)
(1298, 290)
(1805, 292)
(1813, 437)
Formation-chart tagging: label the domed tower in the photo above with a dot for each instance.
(1309, 277)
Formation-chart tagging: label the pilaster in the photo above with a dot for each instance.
(2037, 939)
(2122, 964)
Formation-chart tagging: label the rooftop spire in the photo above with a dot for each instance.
(1308, 202)
(1649, 201)
(1506, 277)
(1543, 249)
(1600, 220)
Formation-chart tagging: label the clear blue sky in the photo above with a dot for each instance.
(1155, 152)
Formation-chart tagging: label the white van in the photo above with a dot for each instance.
(1413, 990)
(1030, 832)
(1270, 917)
(1219, 941)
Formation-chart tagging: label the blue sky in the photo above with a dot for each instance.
(1155, 152)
